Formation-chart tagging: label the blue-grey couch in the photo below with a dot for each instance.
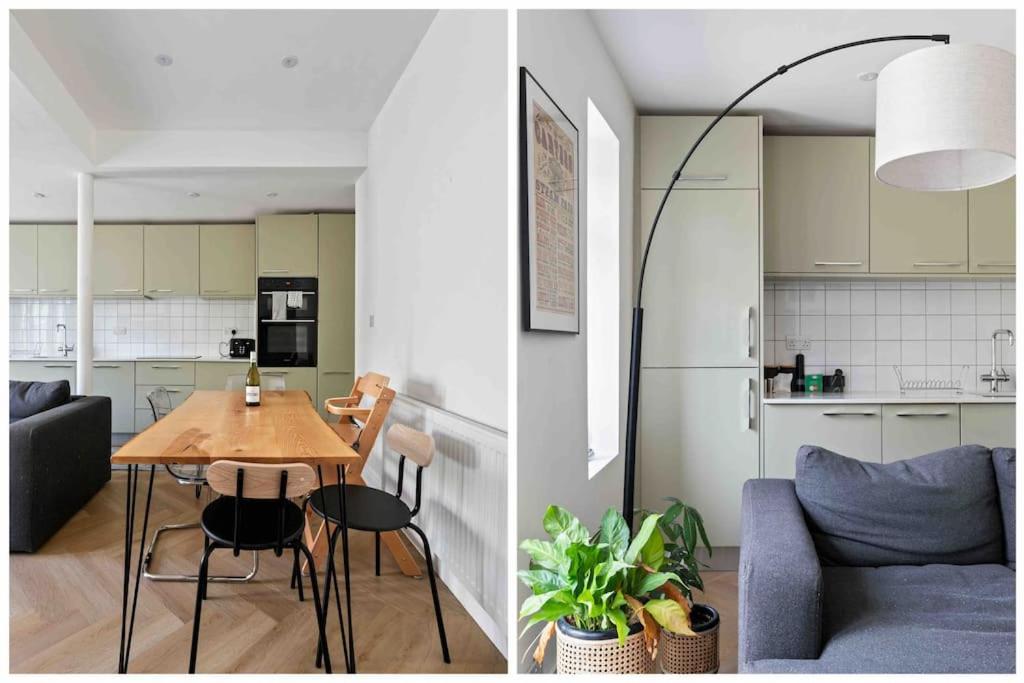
(862, 567)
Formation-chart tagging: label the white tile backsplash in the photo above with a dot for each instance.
(930, 328)
(180, 326)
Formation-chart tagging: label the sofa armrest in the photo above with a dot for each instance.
(780, 581)
(58, 460)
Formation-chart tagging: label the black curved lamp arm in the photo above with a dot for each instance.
(634, 364)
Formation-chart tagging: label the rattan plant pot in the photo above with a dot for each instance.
(599, 652)
(692, 654)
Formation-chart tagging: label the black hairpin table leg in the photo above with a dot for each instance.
(128, 619)
(331, 576)
(344, 555)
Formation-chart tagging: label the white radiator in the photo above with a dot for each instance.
(464, 508)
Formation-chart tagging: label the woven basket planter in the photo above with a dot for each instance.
(585, 652)
(692, 654)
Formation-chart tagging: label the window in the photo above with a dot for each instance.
(603, 290)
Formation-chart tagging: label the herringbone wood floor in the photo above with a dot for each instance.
(66, 602)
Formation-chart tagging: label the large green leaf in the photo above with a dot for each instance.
(647, 529)
(618, 617)
(541, 580)
(651, 582)
(653, 552)
(615, 533)
(535, 602)
(559, 521)
(545, 554)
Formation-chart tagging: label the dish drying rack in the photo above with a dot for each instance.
(954, 385)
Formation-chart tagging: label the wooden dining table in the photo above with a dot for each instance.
(217, 425)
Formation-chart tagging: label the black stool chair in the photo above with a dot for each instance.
(254, 513)
(370, 509)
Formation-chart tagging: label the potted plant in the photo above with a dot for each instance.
(696, 652)
(602, 595)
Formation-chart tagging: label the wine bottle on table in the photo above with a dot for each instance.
(252, 383)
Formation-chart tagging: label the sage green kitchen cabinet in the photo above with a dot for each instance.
(116, 379)
(287, 245)
(295, 379)
(991, 228)
(23, 260)
(816, 204)
(853, 430)
(171, 260)
(58, 260)
(117, 258)
(227, 260)
(988, 424)
(165, 372)
(143, 413)
(214, 375)
(917, 232)
(702, 286)
(728, 157)
(699, 442)
(50, 370)
(912, 429)
(336, 307)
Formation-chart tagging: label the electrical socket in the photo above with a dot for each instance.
(797, 343)
(120, 331)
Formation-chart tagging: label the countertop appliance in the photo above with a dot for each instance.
(286, 310)
(240, 347)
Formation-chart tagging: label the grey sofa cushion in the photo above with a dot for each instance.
(937, 508)
(901, 619)
(1004, 460)
(31, 398)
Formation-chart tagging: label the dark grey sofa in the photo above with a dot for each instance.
(60, 458)
(858, 567)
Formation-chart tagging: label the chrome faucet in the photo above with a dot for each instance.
(64, 348)
(994, 375)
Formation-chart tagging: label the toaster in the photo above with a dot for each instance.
(239, 347)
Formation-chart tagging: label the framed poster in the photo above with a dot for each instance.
(549, 211)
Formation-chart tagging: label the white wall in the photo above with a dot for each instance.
(431, 245)
(563, 52)
(431, 269)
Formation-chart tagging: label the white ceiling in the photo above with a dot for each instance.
(227, 71)
(697, 61)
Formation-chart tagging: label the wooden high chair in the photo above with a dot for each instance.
(359, 427)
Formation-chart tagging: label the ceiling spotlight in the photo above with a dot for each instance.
(39, 195)
(193, 194)
(290, 62)
(868, 76)
(271, 194)
(163, 60)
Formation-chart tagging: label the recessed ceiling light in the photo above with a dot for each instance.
(163, 60)
(39, 195)
(290, 62)
(193, 194)
(271, 194)
(868, 76)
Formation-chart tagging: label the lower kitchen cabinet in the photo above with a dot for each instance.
(911, 429)
(144, 414)
(851, 430)
(991, 424)
(214, 375)
(117, 380)
(295, 378)
(699, 442)
(52, 370)
(332, 384)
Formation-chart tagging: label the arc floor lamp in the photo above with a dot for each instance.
(944, 121)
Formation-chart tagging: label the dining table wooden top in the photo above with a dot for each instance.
(217, 425)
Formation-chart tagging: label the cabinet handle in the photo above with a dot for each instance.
(704, 178)
(23, 290)
(216, 291)
(58, 366)
(166, 367)
(997, 264)
(839, 263)
(173, 391)
(274, 270)
(336, 372)
(942, 413)
(98, 367)
(162, 291)
(746, 395)
(936, 264)
(748, 350)
(847, 413)
(128, 290)
(54, 290)
(276, 373)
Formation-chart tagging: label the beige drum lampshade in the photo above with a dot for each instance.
(945, 118)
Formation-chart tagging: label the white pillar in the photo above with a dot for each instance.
(83, 345)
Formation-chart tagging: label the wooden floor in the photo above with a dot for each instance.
(66, 602)
(721, 593)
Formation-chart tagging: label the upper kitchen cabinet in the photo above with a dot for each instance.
(227, 260)
(816, 204)
(23, 279)
(728, 158)
(917, 232)
(336, 307)
(701, 290)
(991, 221)
(287, 245)
(58, 260)
(117, 256)
(171, 260)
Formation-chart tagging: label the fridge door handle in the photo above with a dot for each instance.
(748, 406)
(748, 315)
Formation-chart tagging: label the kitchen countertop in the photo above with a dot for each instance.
(125, 359)
(856, 397)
